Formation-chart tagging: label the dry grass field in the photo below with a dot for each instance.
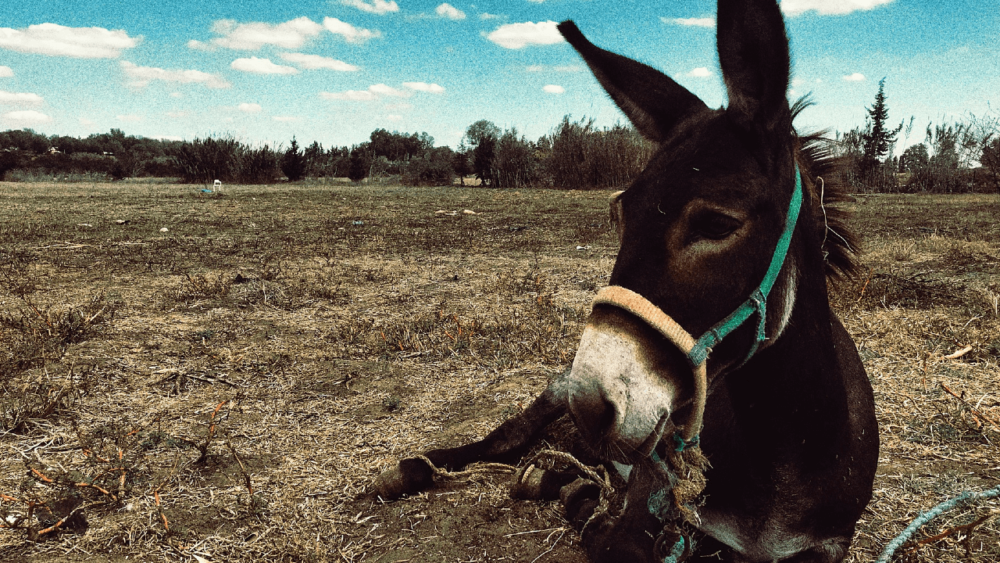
(204, 377)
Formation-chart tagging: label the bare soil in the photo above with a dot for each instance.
(228, 388)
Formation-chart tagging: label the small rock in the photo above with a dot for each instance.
(164, 230)
(122, 221)
(469, 212)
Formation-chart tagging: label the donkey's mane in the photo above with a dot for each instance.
(822, 180)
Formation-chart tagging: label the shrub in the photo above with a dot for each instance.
(206, 160)
(435, 169)
(361, 161)
(9, 160)
(257, 166)
(293, 162)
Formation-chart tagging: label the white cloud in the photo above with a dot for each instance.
(87, 122)
(261, 66)
(254, 35)
(20, 98)
(394, 117)
(690, 22)
(829, 7)
(350, 33)
(285, 118)
(374, 7)
(487, 16)
(700, 72)
(424, 87)
(553, 89)
(373, 92)
(130, 118)
(6, 72)
(176, 95)
(312, 62)
(26, 117)
(249, 108)
(142, 75)
(448, 11)
(854, 77)
(519, 35)
(61, 41)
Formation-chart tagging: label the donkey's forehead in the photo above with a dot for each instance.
(706, 154)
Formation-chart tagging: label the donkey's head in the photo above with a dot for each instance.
(698, 227)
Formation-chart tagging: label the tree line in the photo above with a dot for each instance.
(962, 156)
(575, 154)
(953, 157)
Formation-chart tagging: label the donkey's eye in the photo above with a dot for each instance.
(714, 226)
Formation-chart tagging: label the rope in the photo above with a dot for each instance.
(652, 315)
(931, 514)
(477, 469)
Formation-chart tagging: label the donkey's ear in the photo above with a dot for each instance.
(753, 54)
(650, 99)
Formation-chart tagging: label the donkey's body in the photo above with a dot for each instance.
(790, 431)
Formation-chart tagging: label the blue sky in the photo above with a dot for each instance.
(335, 70)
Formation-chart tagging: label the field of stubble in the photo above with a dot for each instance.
(225, 389)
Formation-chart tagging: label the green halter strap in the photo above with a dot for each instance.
(757, 303)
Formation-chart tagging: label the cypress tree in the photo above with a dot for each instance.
(877, 138)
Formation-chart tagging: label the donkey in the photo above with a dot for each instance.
(712, 243)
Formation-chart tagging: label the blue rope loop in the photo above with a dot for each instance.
(675, 552)
(680, 444)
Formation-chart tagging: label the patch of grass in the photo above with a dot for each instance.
(350, 346)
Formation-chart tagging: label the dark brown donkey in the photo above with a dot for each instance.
(712, 240)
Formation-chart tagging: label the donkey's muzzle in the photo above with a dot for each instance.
(624, 383)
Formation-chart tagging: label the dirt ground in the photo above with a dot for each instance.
(204, 377)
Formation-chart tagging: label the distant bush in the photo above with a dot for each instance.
(360, 163)
(207, 160)
(9, 160)
(257, 166)
(436, 168)
(293, 162)
(160, 167)
(513, 164)
(581, 156)
(226, 159)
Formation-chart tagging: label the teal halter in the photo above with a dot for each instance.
(657, 504)
(757, 303)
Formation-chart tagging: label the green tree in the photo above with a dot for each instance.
(876, 142)
(914, 158)
(877, 139)
(361, 162)
(481, 140)
(293, 162)
(513, 164)
(991, 159)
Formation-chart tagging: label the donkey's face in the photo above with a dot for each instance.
(698, 228)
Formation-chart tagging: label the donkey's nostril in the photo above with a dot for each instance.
(593, 413)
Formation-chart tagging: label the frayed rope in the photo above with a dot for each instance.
(931, 514)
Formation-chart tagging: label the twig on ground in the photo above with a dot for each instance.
(976, 413)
